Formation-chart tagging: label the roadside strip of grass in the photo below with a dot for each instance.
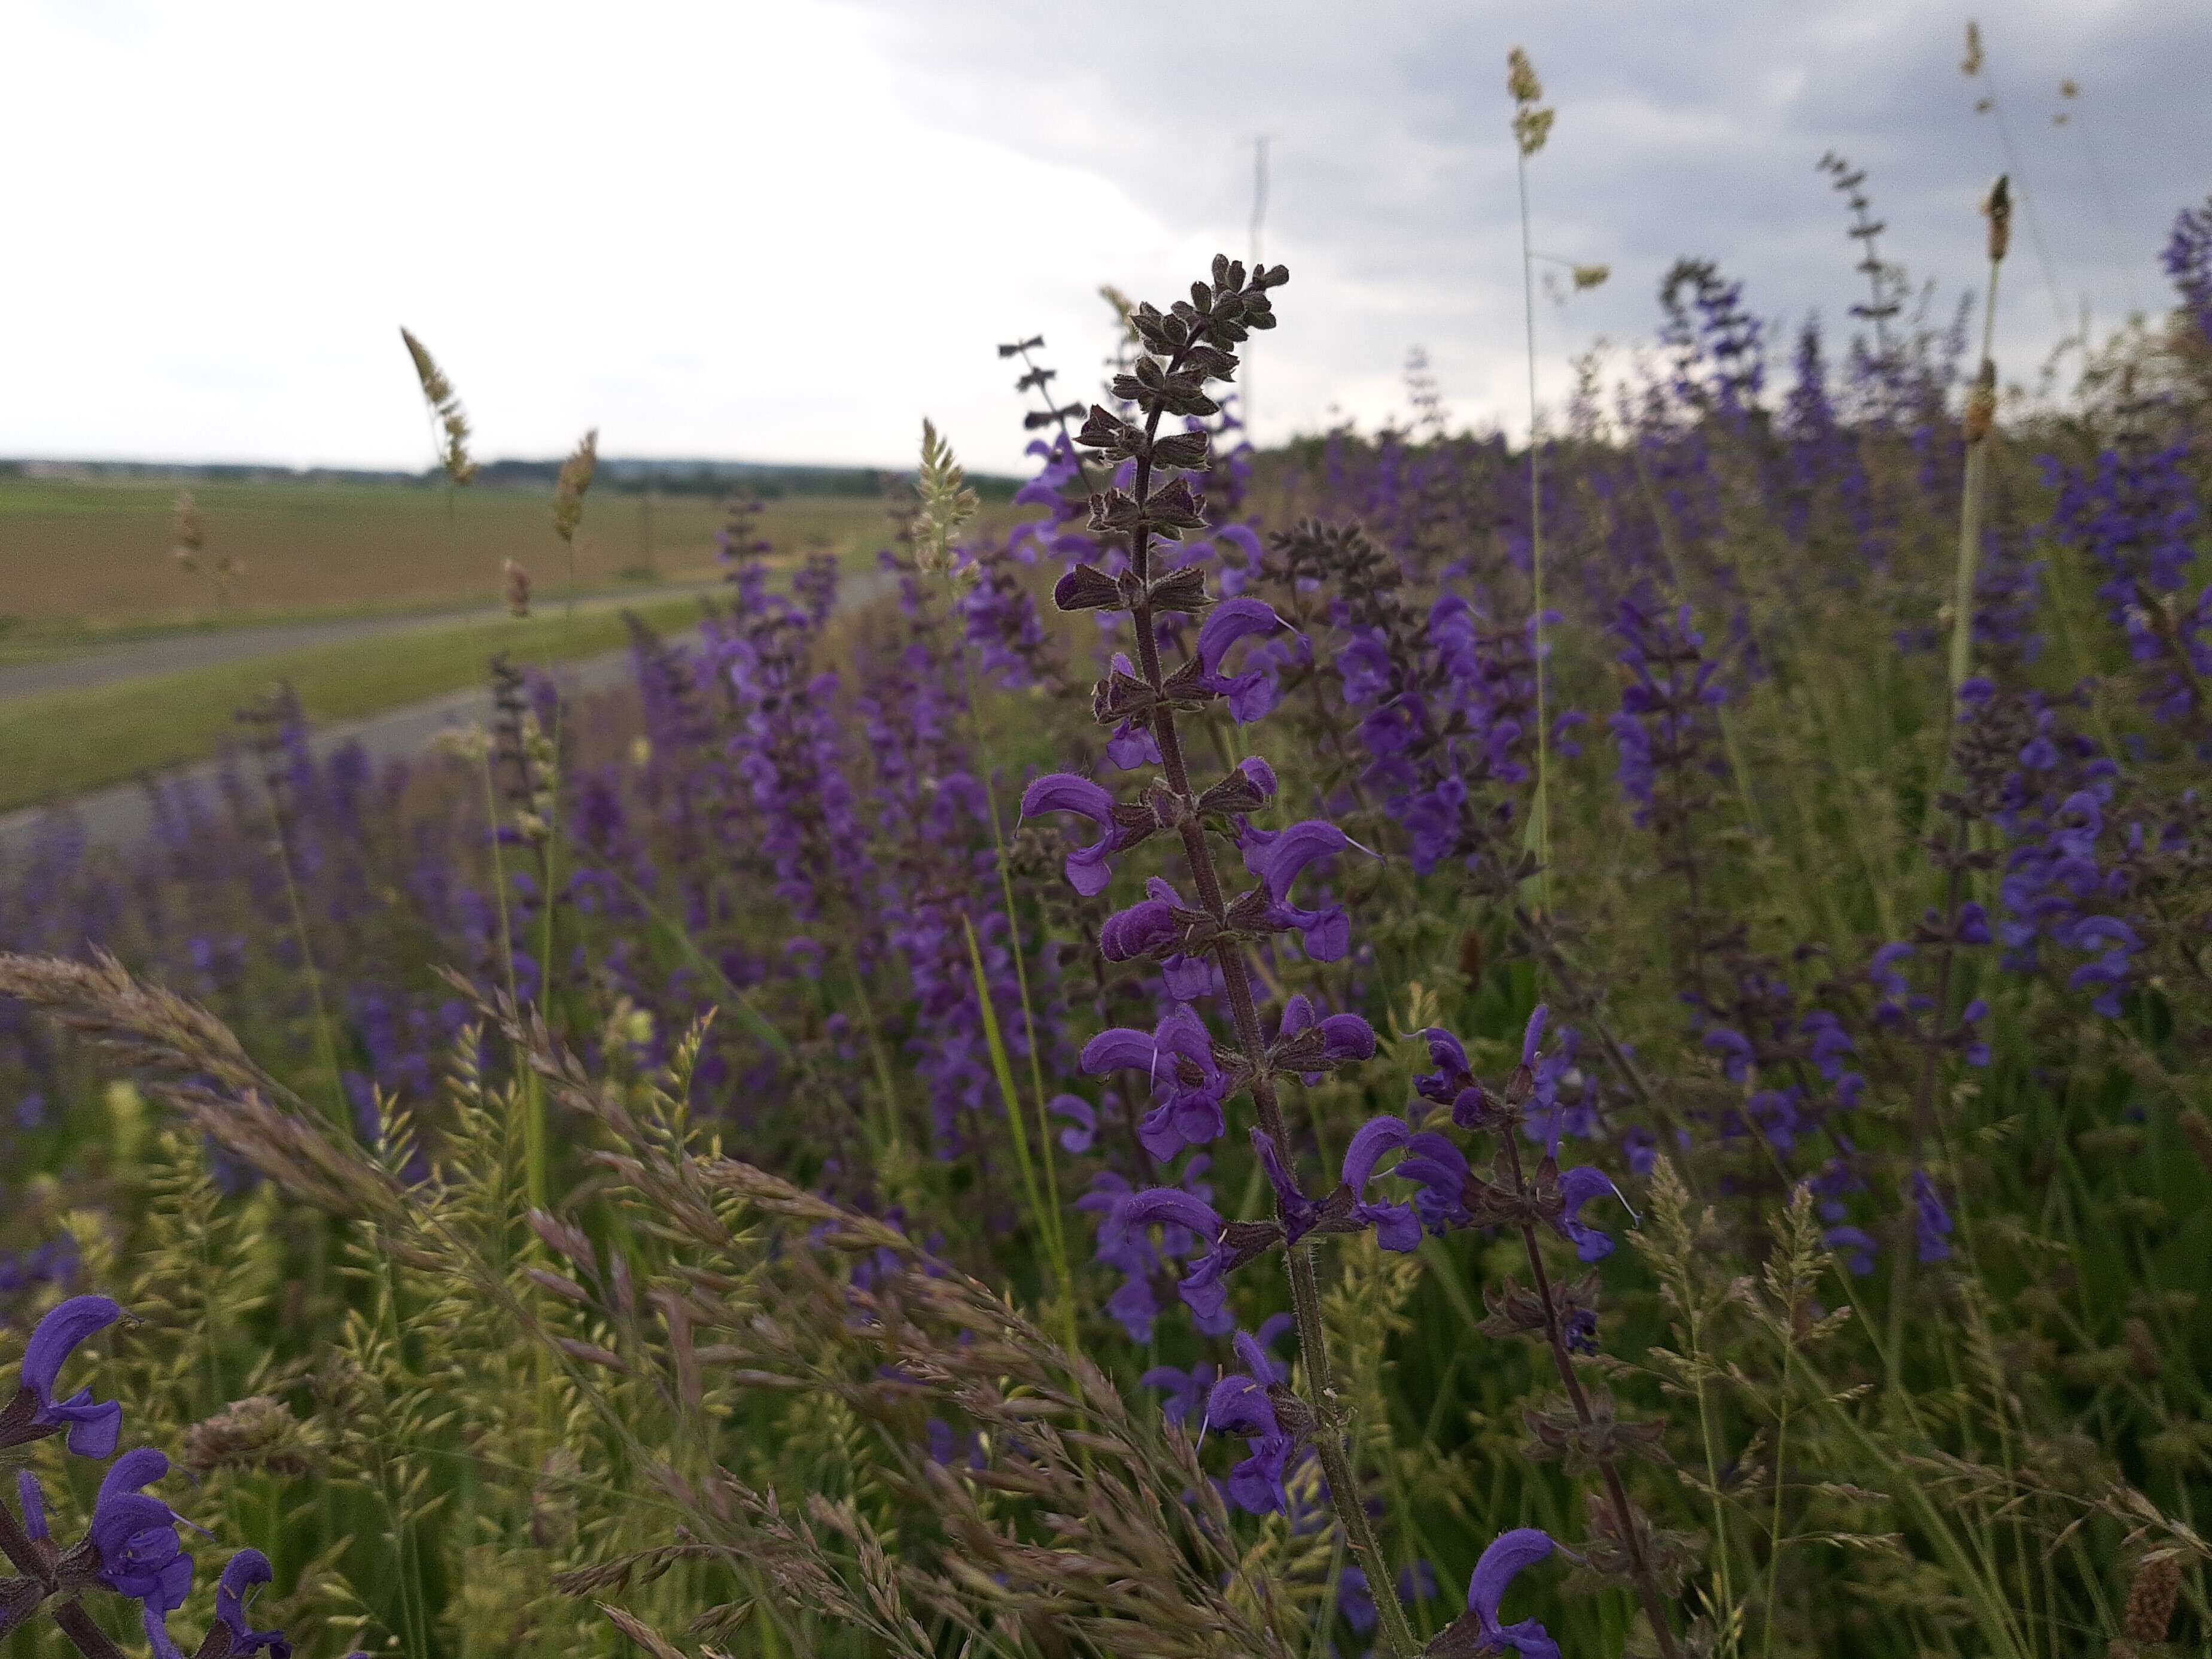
(61, 744)
(42, 641)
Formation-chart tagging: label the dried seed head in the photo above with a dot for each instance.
(1982, 404)
(446, 405)
(437, 390)
(1996, 207)
(2151, 1599)
(568, 492)
(1532, 125)
(257, 1434)
(947, 504)
(516, 581)
(1971, 64)
(188, 536)
(1590, 276)
(1521, 78)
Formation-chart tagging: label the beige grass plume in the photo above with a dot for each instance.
(1996, 207)
(575, 479)
(947, 502)
(444, 406)
(187, 535)
(188, 547)
(515, 587)
(1532, 123)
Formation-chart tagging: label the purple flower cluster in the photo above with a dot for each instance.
(2134, 513)
(133, 1546)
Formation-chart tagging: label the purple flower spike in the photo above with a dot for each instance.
(245, 1572)
(1510, 1554)
(1251, 694)
(1088, 870)
(1578, 1186)
(93, 1428)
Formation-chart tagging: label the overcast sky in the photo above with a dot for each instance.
(786, 231)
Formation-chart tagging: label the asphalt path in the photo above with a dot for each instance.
(123, 813)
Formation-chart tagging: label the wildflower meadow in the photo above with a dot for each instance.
(1403, 1044)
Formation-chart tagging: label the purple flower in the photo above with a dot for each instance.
(1239, 1404)
(245, 1572)
(1532, 1036)
(1083, 1120)
(1855, 1244)
(93, 1428)
(1250, 694)
(1201, 1288)
(1395, 1228)
(1186, 1391)
(1188, 1084)
(1509, 1555)
(1440, 1167)
(1453, 1073)
(1342, 1038)
(1300, 1214)
(1327, 932)
(1088, 870)
(1931, 1220)
(1153, 927)
(134, 1537)
(33, 1497)
(1415, 1584)
(1577, 1187)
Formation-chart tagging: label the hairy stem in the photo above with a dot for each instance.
(1331, 1411)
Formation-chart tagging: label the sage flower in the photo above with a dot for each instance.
(93, 1427)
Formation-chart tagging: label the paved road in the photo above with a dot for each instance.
(180, 651)
(123, 813)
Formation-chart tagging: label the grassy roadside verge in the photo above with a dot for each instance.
(64, 743)
(41, 642)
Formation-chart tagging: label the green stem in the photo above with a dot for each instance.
(1543, 825)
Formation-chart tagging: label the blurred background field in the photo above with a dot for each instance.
(362, 597)
(85, 557)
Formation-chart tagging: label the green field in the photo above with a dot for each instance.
(87, 562)
(87, 565)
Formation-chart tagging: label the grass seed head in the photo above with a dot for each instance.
(575, 479)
